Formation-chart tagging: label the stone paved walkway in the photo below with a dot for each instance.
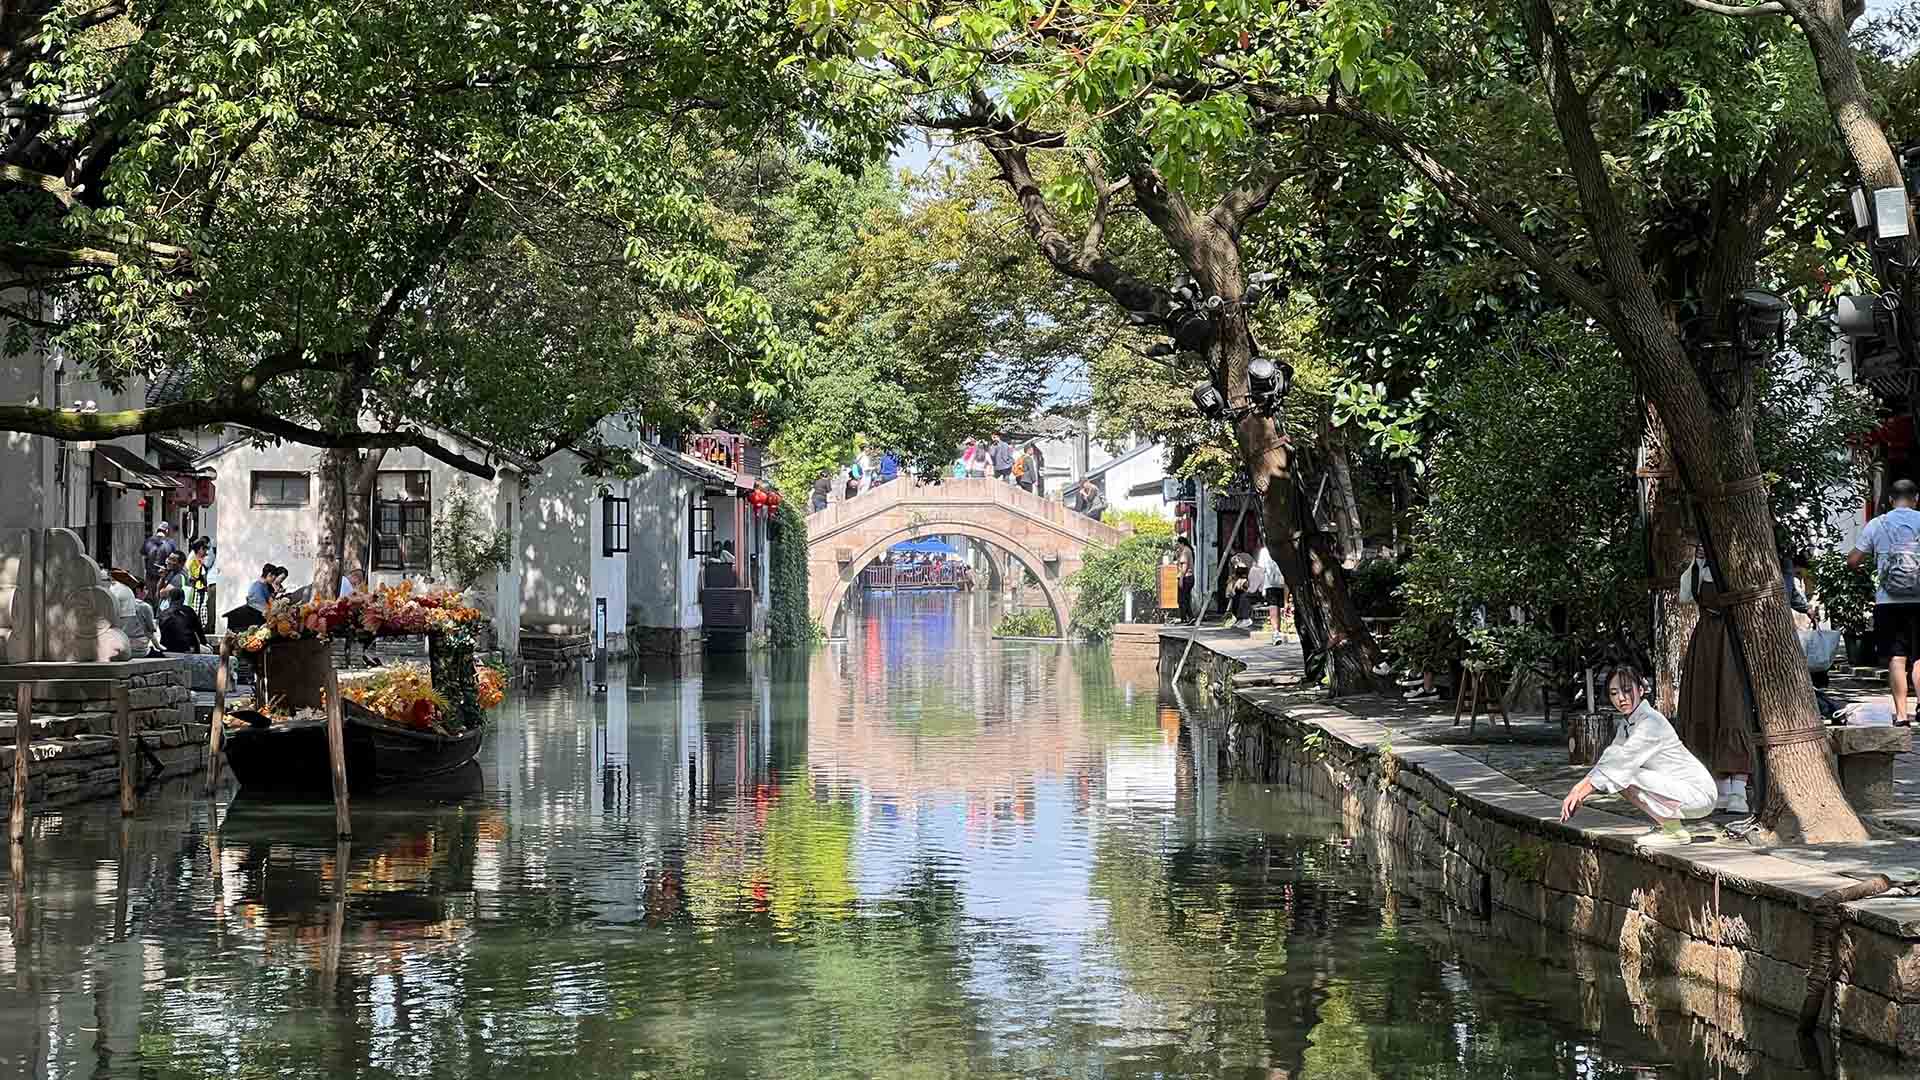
(1533, 752)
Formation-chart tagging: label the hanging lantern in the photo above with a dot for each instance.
(758, 499)
(773, 500)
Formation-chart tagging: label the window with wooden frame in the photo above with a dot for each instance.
(403, 520)
(613, 525)
(699, 528)
(280, 490)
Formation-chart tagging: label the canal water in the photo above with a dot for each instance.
(917, 853)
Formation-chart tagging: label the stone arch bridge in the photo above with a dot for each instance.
(1043, 536)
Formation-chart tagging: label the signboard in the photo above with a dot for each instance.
(600, 643)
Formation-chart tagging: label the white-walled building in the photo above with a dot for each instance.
(108, 493)
(266, 510)
(666, 543)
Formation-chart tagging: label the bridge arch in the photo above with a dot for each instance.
(1042, 535)
(1013, 548)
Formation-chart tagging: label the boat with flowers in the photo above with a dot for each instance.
(403, 724)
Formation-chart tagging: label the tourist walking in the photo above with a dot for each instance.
(1001, 456)
(1023, 468)
(1647, 765)
(822, 487)
(1242, 586)
(978, 465)
(889, 467)
(1183, 558)
(850, 479)
(1712, 718)
(200, 576)
(155, 552)
(1893, 541)
(172, 578)
(1276, 590)
(1037, 469)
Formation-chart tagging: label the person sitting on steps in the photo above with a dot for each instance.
(1647, 765)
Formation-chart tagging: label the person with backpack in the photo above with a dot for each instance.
(1712, 718)
(1893, 540)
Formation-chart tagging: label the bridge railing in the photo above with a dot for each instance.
(959, 492)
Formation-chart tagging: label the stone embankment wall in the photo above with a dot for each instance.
(1738, 921)
(75, 751)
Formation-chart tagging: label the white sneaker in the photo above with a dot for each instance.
(1661, 838)
(1734, 802)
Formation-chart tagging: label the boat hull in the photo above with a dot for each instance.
(291, 758)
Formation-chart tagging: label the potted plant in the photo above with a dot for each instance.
(1845, 595)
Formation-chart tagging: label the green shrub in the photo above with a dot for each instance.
(1036, 623)
(1106, 574)
(1845, 592)
(1375, 587)
(465, 546)
(788, 621)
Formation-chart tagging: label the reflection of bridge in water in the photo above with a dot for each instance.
(1043, 537)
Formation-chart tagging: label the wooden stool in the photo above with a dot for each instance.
(1479, 688)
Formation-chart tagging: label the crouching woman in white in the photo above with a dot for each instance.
(1648, 766)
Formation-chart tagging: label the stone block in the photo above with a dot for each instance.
(1849, 739)
(1887, 965)
(1860, 1013)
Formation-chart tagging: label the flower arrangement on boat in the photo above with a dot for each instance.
(387, 610)
(402, 694)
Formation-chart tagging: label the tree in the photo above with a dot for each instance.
(364, 229)
(991, 73)
(1637, 161)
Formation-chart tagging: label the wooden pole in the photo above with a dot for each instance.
(123, 729)
(337, 754)
(217, 732)
(22, 754)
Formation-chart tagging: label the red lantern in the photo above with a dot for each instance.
(773, 500)
(758, 498)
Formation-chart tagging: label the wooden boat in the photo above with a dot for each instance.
(290, 757)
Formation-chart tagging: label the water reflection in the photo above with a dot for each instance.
(914, 854)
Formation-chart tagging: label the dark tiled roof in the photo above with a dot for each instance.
(169, 385)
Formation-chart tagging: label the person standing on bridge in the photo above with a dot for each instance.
(1001, 454)
(822, 487)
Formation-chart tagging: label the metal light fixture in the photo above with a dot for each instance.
(1882, 213)
(1208, 399)
(1268, 383)
(1759, 321)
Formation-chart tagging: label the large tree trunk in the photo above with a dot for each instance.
(1714, 455)
(353, 547)
(336, 467)
(1670, 542)
(1349, 647)
(1345, 504)
(1712, 449)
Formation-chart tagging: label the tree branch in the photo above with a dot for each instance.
(72, 426)
(1078, 261)
(1773, 7)
(424, 258)
(1563, 278)
(46, 182)
(1244, 201)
